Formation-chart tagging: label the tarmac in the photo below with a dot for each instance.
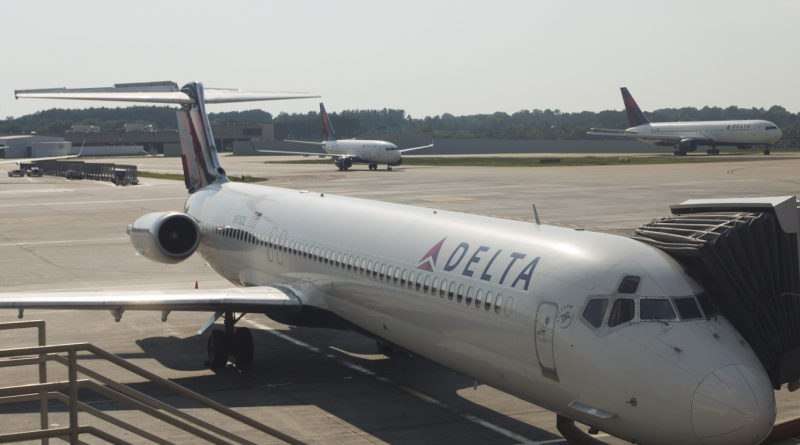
(320, 386)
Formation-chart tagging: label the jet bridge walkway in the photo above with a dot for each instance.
(44, 391)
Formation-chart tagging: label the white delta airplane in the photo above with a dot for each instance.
(544, 313)
(687, 136)
(347, 151)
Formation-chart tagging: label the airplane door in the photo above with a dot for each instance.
(545, 322)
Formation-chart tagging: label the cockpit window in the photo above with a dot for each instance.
(629, 285)
(655, 309)
(595, 311)
(687, 308)
(708, 307)
(623, 311)
(771, 127)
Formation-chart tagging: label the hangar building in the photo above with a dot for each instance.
(32, 146)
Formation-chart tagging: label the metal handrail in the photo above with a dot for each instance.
(45, 391)
(44, 423)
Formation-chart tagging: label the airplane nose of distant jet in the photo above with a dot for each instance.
(735, 405)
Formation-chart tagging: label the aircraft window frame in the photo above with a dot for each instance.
(411, 277)
(706, 305)
(655, 319)
(363, 267)
(487, 304)
(316, 254)
(498, 303)
(350, 259)
(418, 284)
(508, 307)
(403, 277)
(396, 274)
(689, 317)
(626, 283)
(426, 286)
(382, 273)
(327, 256)
(369, 267)
(443, 289)
(435, 287)
(623, 317)
(478, 298)
(389, 273)
(603, 311)
(451, 291)
(375, 270)
(468, 297)
(338, 259)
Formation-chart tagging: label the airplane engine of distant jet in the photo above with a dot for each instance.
(686, 145)
(343, 163)
(165, 237)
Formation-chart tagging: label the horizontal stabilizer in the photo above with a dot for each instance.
(156, 92)
(252, 299)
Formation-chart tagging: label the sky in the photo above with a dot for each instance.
(426, 57)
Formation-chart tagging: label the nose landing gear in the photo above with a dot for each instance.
(389, 167)
(230, 342)
(712, 151)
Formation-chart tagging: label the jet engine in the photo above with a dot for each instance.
(165, 237)
(687, 145)
(343, 162)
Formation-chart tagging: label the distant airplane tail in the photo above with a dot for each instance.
(635, 115)
(327, 129)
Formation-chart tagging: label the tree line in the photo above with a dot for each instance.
(525, 124)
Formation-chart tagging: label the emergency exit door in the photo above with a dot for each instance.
(545, 322)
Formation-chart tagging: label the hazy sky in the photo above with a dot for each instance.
(427, 57)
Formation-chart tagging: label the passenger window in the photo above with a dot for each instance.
(389, 272)
(705, 303)
(327, 256)
(489, 301)
(411, 277)
(498, 304)
(383, 271)
(427, 284)
(595, 311)
(375, 270)
(350, 260)
(338, 259)
(470, 293)
(443, 289)
(316, 253)
(452, 291)
(419, 281)
(460, 295)
(687, 308)
(479, 298)
(629, 285)
(396, 274)
(655, 309)
(623, 311)
(435, 287)
(369, 267)
(509, 305)
(403, 278)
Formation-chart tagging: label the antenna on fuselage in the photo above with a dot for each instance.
(536, 216)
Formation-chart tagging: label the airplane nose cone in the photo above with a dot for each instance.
(735, 405)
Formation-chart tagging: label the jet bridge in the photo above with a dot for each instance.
(744, 252)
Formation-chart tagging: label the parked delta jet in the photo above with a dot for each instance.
(347, 151)
(601, 329)
(687, 136)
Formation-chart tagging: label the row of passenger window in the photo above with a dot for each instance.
(419, 281)
(650, 309)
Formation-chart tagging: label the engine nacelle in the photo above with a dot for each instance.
(687, 145)
(165, 237)
(343, 162)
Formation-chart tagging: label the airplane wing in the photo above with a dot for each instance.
(662, 137)
(17, 161)
(156, 92)
(418, 148)
(296, 152)
(306, 142)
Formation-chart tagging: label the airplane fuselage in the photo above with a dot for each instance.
(505, 302)
(374, 152)
(741, 133)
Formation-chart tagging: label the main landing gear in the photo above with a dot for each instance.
(389, 167)
(679, 153)
(712, 151)
(342, 168)
(230, 342)
(766, 151)
(373, 166)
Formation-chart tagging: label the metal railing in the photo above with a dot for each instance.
(45, 391)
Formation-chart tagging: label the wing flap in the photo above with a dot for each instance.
(256, 299)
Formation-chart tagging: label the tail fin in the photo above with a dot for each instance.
(635, 115)
(201, 165)
(327, 129)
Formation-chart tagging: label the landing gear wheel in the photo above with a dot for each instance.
(676, 153)
(389, 167)
(716, 151)
(218, 349)
(766, 151)
(341, 168)
(385, 350)
(709, 152)
(242, 347)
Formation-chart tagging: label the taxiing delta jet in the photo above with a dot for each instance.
(347, 151)
(687, 136)
(517, 306)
